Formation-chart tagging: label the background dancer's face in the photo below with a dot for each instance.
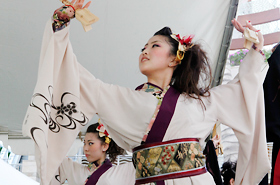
(156, 56)
(94, 148)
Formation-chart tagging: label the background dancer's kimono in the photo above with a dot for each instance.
(126, 113)
(76, 174)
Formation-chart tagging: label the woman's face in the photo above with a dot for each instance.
(155, 56)
(93, 148)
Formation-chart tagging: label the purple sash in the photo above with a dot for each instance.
(164, 116)
(163, 119)
(96, 175)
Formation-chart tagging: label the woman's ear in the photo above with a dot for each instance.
(174, 63)
(105, 147)
(231, 181)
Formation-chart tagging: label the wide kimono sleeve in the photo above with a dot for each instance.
(75, 173)
(67, 96)
(240, 105)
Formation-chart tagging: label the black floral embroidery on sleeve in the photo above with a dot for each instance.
(69, 108)
(66, 115)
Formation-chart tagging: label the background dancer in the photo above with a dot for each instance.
(97, 145)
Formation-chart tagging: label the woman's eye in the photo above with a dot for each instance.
(143, 49)
(90, 144)
(155, 45)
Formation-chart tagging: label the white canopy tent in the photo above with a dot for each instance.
(110, 50)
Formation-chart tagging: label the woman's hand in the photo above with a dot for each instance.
(240, 28)
(79, 4)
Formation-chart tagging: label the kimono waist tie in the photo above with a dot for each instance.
(168, 160)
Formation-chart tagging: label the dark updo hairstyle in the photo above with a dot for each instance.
(114, 150)
(228, 171)
(194, 66)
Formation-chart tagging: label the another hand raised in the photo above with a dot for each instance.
(241, 29)
(78, 4)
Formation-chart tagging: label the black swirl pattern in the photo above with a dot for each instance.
(66, 113)
(57, 178)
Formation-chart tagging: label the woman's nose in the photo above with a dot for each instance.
(85, 148)
(145, 52)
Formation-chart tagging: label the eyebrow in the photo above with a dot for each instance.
(153, 42)
(88, 140)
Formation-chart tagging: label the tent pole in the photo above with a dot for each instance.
(224, 49)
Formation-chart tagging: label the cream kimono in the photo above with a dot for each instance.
(76, 174)
(126, 113)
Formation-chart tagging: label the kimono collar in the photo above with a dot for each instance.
(97, 172)
(93, 166)
(148, 85)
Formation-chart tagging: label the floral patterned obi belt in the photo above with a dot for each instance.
(168, 160)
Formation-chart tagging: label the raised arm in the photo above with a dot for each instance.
(240, 105)
(67, 96)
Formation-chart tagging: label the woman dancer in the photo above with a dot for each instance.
(166, 121)
(97, 144)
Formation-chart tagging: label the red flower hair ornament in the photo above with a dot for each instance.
(103, 132)
(185, 44)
